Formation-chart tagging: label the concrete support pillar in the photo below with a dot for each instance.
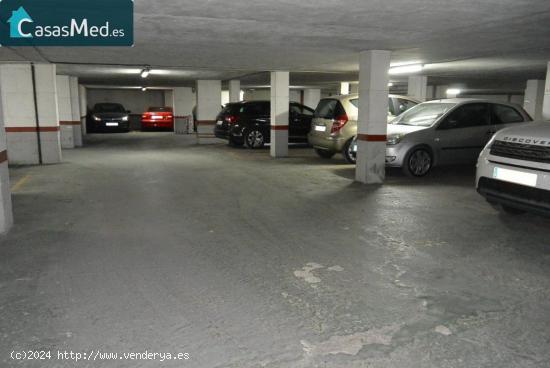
(344, 88)
(546, 102)
(75, 111)
(534, 98)
(208, 104)
(83, 103)
(182, 102)
(417, 87)
(169, 98)
(66, 122)
(280, 100)
(234, 90)
(27, 141)
(373, 114)
(312, 97)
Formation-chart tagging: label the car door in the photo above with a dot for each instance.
(462, 134)
(256, 115)
(299, 121)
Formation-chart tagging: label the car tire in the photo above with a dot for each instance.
(254, 139)
(418, 162)
(347, 152)
(324, 153)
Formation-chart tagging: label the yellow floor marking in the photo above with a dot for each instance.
(20, 183)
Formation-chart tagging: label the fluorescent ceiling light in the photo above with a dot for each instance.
(390, 84)
(145, 72)
(406, 69)
(144, 89)
(453, 91)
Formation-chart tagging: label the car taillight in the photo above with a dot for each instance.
(231, 119)
(338, 123)
(169, 117)
(144, 116)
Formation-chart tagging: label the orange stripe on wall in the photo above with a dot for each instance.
(279, 127)
(30, 129)
(69, 122)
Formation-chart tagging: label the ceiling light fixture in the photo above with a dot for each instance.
(144, 89)
(390, 84)
(406, 69)
(145, 72)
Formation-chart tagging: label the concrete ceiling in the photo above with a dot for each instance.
(216, 39)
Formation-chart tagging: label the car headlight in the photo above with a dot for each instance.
(394, 139)
(125, 118)
(96, 118)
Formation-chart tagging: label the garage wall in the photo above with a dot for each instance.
(136, 101)
(265, 94)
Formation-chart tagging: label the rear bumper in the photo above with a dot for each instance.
(146, 123)
(326, 142)
(524, 197)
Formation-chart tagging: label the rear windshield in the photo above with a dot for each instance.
(109, 107)
(160, 109)
(329, 108)
(231, 109)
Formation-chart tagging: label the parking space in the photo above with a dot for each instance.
(289, 184)
(150, 240)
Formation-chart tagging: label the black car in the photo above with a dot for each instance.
(249, 122)
(108, 117)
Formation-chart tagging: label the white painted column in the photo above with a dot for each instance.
(372, 118)
(169, 98)
(9, 89)
(75, 111)
(546, 102)
(234, 90)
(65, 111)
(183, 102)
(6, 212)
(279, 113)
(48, 115)
(312, 96)
(417, 87)
(208, 105)
(344, 88)
(83, 103)
(534, 98)
(18, 113)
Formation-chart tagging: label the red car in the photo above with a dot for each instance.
(158, 117)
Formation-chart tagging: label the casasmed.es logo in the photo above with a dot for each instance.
(66, 22)
(20, 18)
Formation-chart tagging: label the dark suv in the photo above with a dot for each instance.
(249, 122)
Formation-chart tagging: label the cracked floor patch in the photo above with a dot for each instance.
(351, 344)
(306, 273)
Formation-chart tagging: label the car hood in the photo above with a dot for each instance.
(537, 133)
(110, 114)
(396, 129)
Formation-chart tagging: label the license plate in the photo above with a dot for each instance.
(111, 124)
(219, 122)
(320, 128)
(157, 117)
(516, 177)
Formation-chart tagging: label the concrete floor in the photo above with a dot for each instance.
(149, 242)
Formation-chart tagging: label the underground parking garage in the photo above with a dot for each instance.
(269, 184)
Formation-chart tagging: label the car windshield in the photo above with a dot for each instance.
(423, 114)
(160, 109)
(110, 107)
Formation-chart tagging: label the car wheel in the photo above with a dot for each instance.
(418, 162)
(254, 139)
(324, 153)
(349, 154)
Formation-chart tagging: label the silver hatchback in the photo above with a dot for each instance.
(444, 132)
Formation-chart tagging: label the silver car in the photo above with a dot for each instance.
(444, 132)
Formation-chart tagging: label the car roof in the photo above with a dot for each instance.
(352, 96)
(464, 100)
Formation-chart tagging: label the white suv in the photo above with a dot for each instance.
(513, 171)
